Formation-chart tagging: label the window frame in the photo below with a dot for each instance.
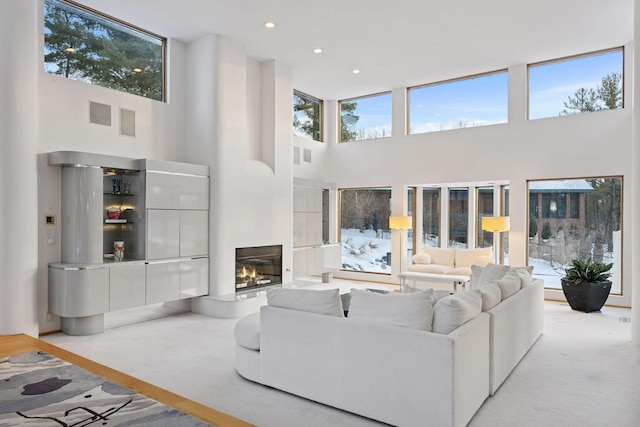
(125, 27)
(449, 81)
(585, 55)
(373, 95)
(320, 115)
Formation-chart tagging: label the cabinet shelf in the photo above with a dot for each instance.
(116, 221)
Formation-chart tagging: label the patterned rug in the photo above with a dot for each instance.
(37, 389)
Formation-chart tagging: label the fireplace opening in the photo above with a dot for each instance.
(257, 267)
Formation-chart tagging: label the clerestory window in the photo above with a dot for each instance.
(85, 45)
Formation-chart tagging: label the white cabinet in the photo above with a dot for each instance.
(194, 233)
(163, 234)
(76, 292)
(163, 220)
(163, 281)
(194, 278)
(176, 191)
(127, 285)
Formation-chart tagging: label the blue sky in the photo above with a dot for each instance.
(482, 100)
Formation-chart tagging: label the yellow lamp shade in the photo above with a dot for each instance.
(400, 222)
(495, 223)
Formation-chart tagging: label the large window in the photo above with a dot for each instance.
(473, 101)
(364, 229)
(575, 219)
(458, 217)
(431, 217)
(83, 45)
(363, 118)
(576, 85)
(484, 203)
(307, 116)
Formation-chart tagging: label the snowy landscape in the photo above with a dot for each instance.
(367, 251)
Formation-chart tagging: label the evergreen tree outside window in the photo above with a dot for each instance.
(81, 44)
(307, 116)
(575, 219)
(576, 85)
(368, 117)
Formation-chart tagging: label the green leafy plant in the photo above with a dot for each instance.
(587, 272)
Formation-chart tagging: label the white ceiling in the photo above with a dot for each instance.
(396, 43)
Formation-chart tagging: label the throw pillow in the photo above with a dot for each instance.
(421, 259)
(490, 294)
(413, 310)
(442, 256)
(509, 284)
(526, 275)
(482, 275)
(468, 257)
(455, 310)
(247, 331)
(322, 302)
(438, 295)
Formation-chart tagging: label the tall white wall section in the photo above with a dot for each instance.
(18, 166)
(635, 182)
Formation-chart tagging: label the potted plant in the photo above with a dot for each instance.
(586, 285)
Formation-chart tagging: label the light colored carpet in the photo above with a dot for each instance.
(583, 371)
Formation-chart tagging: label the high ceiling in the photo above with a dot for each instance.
(395, 43)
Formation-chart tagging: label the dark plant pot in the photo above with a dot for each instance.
(587, 297)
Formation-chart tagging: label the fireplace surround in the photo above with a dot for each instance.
(258, 266)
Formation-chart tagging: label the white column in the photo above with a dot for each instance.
(18, 166)
(635, 181)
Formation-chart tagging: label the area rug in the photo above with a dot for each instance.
(38, 389)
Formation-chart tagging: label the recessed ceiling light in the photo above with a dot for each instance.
(355, 71)
(317, 50)
(270, 24)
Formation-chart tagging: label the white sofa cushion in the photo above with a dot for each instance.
(442, 256)
(490, 294)
(413, 310)
(453, 311)
(460, 271)
(321, 302)
(247, 331)
(468, 257)
(430, 268)
(509, 284)
(481, 275)
(526, 275)
(421, 259)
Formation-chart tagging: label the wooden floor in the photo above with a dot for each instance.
(16, 344)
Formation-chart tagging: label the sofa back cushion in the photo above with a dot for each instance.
(490, 294)
(413, 310)
(322, 301)
(455, 310)
(509, 284)
(526, 275)
(481, 275)
(442, 256)
(468, 257)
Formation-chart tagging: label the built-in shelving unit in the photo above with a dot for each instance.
(163, 223)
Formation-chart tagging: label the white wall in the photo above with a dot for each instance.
(18, 168)
(577, 146)
(251, 165)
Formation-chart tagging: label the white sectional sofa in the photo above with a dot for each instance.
(399, 373)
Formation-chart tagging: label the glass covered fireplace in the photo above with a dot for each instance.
(258, 266)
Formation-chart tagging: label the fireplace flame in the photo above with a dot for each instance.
(249, 273)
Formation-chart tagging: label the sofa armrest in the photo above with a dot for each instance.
(516, 324)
